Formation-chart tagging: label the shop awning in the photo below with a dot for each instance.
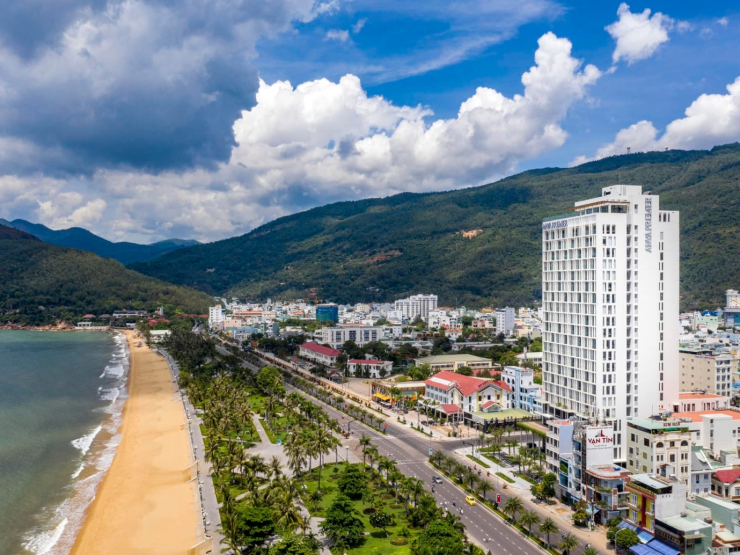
(382, 396)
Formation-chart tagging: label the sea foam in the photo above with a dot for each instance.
(43, 542)
(83, 443)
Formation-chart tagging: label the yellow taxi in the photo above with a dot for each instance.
(470, 500)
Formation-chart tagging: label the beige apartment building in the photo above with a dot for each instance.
(704, 369)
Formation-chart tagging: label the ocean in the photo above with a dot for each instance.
(61, 397)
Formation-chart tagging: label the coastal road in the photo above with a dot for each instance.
(410, 451)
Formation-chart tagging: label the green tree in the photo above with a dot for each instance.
(439, 538)
(381, 520)
(580, 518)
(296, 545)
(548, 486)
(513, 506)
(568, 543)
(255, 524)
(343, 523)
(353, 482)
(548, 527)
(464, 371)
(529, 519)
(626, 538)
(590, 551)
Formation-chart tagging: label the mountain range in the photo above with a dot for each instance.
(477, 246)
(79, 238)
(44, 283)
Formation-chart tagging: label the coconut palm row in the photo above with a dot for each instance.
(227, 418)
(337, 401)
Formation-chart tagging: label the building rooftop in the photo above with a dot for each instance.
(687, 524)
(696, 415)
(365, 361)
(715, 500)
(501, 415)
(655, 425)
(320, 349)
(442, 359)
(466, 384)
(692, 396)
(727, 476)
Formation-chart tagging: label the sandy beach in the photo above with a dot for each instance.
(145, 504)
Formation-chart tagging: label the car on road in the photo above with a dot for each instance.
(470, 500)
(437, 480)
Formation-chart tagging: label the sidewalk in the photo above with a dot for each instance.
(558, 511)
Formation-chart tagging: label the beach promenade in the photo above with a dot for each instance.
(146, 504)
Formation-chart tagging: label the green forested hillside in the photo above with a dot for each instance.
(379, 249)
(69, 283)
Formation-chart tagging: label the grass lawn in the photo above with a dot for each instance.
(375, 543)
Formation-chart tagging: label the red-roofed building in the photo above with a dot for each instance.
(370, 368)
(449, 388)
(726, 483)
(318, 353)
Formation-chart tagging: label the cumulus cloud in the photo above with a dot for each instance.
(137, 83)
(710, 120)
(723, 21)
(638, 35)
(323, 141)
(340, 35)
(62, 214)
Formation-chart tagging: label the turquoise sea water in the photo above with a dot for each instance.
(61, 394)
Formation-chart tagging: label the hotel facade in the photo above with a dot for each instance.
(610, 278)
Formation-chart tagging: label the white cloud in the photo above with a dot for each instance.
(723, 21)
(684, 26)
(61, 213)
(324, 141)
(638, 35)
(710, 120)
(337, 34)
(357, 27)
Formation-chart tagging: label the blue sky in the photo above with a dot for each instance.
(148, 119)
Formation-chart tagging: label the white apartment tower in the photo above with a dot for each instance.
(417, 305)
(505, 320)
(610, 276)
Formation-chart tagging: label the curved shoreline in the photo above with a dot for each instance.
(145, 504)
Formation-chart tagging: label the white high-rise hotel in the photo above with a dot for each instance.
(610, 297)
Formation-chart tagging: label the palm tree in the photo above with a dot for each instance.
(483, 487)
(590, 551)
(372, 456)
(568, 543)
(437, 457)
(548, 527)
(314, 498)
(447, 463)
(323, 442)
(274, 467)
(529, 519)
(497, 434)
(395, 478)
(512, 506)
(365, 443)
(417, 488)
(458, 470)
(471, 477)
(230, 531)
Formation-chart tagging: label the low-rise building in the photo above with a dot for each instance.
(441, 363)
(527, 394)
(467, 392)
(706, 369)
(726, 484)
(318, 353)
(697, 401)
(370, 368)
(659, 447)
(337, 336)
(652, 497)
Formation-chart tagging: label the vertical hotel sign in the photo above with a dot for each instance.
(648, 224)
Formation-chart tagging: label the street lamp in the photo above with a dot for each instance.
(346, 447)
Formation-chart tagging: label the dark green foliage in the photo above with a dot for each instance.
(381, 520)
(380, 249)
(269, 380)
(439, 538)
(296, 545)
(255, 524)
(69, 283)
(626, 538)
(353, 482)
(343, 524)
(189, 349)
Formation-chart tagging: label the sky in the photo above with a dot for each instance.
(143, 120)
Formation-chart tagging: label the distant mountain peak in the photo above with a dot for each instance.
(80, 238)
